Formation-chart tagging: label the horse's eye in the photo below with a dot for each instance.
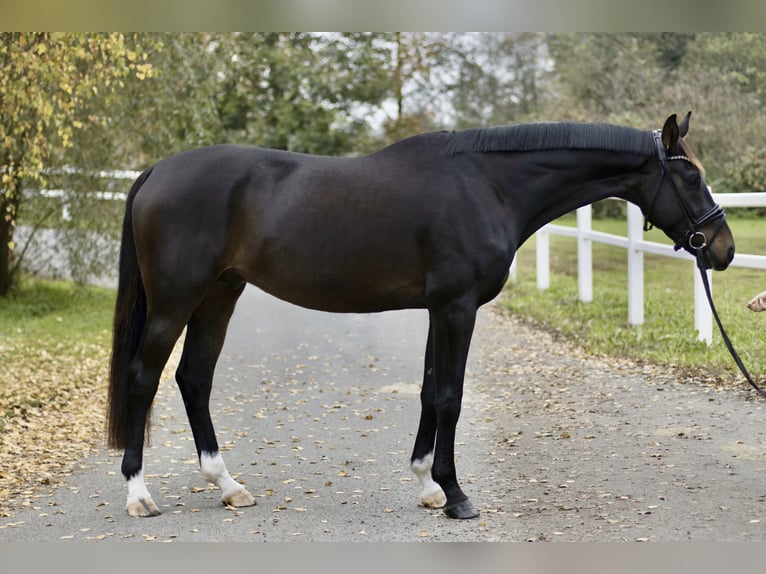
(693, 180)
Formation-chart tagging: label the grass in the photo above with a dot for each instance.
(667, 335)
(48, 312)
(54, 340)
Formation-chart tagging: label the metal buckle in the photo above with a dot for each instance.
(694, 238)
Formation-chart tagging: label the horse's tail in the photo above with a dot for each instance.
(129, 319)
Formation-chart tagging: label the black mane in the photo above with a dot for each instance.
(550, 136)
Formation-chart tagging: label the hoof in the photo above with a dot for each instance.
(143, 508)
(461, 510)
(433, 497)
(239, 499)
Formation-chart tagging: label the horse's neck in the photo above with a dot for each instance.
(560, 182)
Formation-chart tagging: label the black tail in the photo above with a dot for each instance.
(129, 319)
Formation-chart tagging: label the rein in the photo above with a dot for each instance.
(698, 242)
(724, 335)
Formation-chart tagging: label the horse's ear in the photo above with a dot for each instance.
(683, 127)
(670, 133)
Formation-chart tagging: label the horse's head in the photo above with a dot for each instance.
(682, 205)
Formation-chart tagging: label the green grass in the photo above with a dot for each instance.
(43, 312)
(54, 342)
(667, 335)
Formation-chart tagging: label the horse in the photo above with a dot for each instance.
(430, 222)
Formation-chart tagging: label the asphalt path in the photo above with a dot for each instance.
(316, 414)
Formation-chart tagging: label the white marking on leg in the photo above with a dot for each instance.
(137, 487)
(432, 494)
(140, 502)
(214, 470)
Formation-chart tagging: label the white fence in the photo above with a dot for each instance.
(636, 247)
(109, 195)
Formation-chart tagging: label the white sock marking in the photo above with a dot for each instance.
(137, 488)
(432, 494)
(214, 470)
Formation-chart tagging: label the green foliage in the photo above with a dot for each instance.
(500, 79)
(734, 57)
(606, 77)
(639, 79)
(43, 312)
(296, 90)
(747, 173)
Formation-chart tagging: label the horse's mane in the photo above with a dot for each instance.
(550, 136)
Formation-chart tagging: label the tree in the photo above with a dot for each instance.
(418, 86)
(723, 77)
(299, 91)
(638, 79)
(173, 109)
(499, 79)
(606, 77)
(48, 84)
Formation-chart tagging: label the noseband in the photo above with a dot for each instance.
(693, 237)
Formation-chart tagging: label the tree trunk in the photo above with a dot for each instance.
(6, 235)
(9, 205)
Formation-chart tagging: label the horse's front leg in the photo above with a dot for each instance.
(451, 330)
(422, 459)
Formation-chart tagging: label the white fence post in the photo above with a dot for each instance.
(703, 317)
(542, 256)
(584, 255)
(637, 246)
(514, 268)
(635, 266)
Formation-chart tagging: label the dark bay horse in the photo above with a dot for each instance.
(430, 222)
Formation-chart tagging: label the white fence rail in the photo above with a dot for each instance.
(109, 195)
(636, 247)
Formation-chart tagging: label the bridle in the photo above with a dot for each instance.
(693, 238)
(697, 241)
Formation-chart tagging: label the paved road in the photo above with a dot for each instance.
(316, 413)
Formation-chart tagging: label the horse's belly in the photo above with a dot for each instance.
(341, 295)
(346, 279)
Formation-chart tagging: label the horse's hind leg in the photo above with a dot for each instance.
(159, 335)
(205, 335)
(422, 459)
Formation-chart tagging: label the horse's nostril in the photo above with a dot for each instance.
(730, 254)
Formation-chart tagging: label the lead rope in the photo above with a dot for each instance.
(732, 350)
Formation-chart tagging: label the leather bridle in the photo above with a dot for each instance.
(693, 238)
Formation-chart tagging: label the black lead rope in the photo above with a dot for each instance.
(732, 350)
